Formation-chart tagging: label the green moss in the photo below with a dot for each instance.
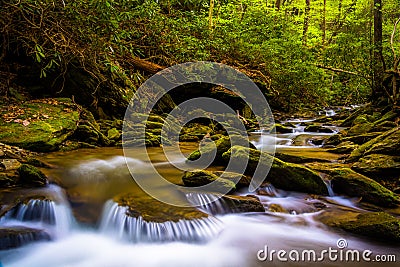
(351, 183)
(50, 123)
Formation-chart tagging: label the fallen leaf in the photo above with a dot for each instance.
(25, 123)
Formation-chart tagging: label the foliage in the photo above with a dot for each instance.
(257, 37)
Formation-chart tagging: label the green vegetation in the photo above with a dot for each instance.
(301, 54)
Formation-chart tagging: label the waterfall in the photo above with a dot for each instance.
(49, 213)
(210, 203)
(16, 237)
(115, 221)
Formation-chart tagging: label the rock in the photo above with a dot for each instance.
(30, 175)
(113, 134)
(201, 177)
(48, 123)
(378, 165)
(152, 210)
(334, 140)
(292, 158)
(277, 208)
(287, 176)
(387, 143)
(222, 145)
(343, 148)
(383, 126)
(19, 236)
(351, 183)
(318, 129)
(37, 163)
(9, 164)
(367, 109)
(362, 124)
(8, 180)
(362, 138)
(239, 204)
(377, 225)
(87, 133)
(242, 180)
(279, 128)
(188, 138)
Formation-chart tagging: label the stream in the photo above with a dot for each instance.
(86, 228)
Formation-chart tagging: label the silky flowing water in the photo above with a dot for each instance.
(89, 229)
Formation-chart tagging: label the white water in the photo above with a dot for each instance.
(235, 243)
(117, 223)
(51, 214)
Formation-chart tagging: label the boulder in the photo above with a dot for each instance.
(152, 210)
(113, 134)
(351, 183)
(378, 165)
(387, 143)
(39, 125)
(202, 177)
(287, 176)
(315, 128)
(376, 225)
(222, 145)
(279, 128)
(343, 148)
(30, 175)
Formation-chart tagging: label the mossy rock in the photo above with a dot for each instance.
(113, 134)
(351, 183)
(299, 159)
(8, 179)
(334, 140)
(387, 143)
(279, 128)
(378, 165)
(51, 122)
(287, 176)
(376, 225)
(343, 148)
(315, 128)
(197, 178)
(362, 138)
(362, 124)
(348, 122)
(30, 175)
(152, 210)
(222, 145)
(241, 180)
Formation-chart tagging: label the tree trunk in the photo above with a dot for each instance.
(306, 21)
(378, 64)
(210, 15)
(278, 5)
(324, 25)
